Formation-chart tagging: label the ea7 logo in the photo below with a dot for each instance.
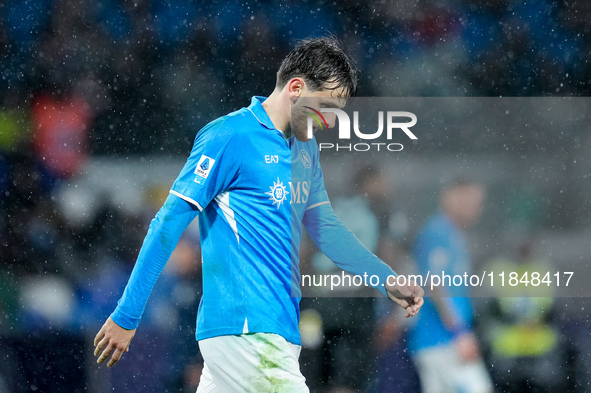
(271, 159)
(345, 124)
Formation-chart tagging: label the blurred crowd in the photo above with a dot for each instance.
(82, 79)
(149, 73)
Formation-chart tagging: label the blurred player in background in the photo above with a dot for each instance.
(253, 185)
(441, 343)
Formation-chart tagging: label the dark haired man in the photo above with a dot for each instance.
(252, 184)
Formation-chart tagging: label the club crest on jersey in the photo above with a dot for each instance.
(305, 159)
(203, 168)
(278, 193)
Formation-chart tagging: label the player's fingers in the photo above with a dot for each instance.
(403, 303)
(419, 301)
(416, 306)
(99, 336)
(105, 354)
(100, 346)
(409, 312)
(115, 357)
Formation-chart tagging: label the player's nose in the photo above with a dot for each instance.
(331, 119)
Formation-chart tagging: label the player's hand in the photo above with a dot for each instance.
(112, 338)
(467, 346)
(409, 297)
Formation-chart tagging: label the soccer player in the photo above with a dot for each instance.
(441, 343)
(253, 185)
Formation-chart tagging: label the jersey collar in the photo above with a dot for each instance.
(256, 108)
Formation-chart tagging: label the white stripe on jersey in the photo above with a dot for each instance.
(223, 201)
(317, 204)
(186, 198)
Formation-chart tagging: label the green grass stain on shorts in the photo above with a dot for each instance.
(270, 359)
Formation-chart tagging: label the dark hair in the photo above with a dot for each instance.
(320, 61)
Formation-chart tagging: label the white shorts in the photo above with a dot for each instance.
(254, 362)
(441, 370)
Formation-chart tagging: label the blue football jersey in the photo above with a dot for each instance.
(252, 186)
(254, 189)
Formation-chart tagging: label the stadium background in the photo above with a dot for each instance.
(100, 102)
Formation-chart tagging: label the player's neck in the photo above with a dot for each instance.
(278, 110)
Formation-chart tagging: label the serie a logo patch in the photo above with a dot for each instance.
(203, 168)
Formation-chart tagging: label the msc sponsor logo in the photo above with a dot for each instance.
(278, 193)
(300, 192)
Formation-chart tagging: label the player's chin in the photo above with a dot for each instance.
(303, 137)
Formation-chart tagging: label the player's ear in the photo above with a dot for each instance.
(295, 87)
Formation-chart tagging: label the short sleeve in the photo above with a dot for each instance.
(212, 167)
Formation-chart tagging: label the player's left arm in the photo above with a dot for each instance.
(341, 246)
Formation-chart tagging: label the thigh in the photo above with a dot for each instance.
(206, 384)
(258, 362)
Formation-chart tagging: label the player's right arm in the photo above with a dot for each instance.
(211, 168)
(163, 235)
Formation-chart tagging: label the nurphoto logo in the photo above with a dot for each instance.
(372, 135)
